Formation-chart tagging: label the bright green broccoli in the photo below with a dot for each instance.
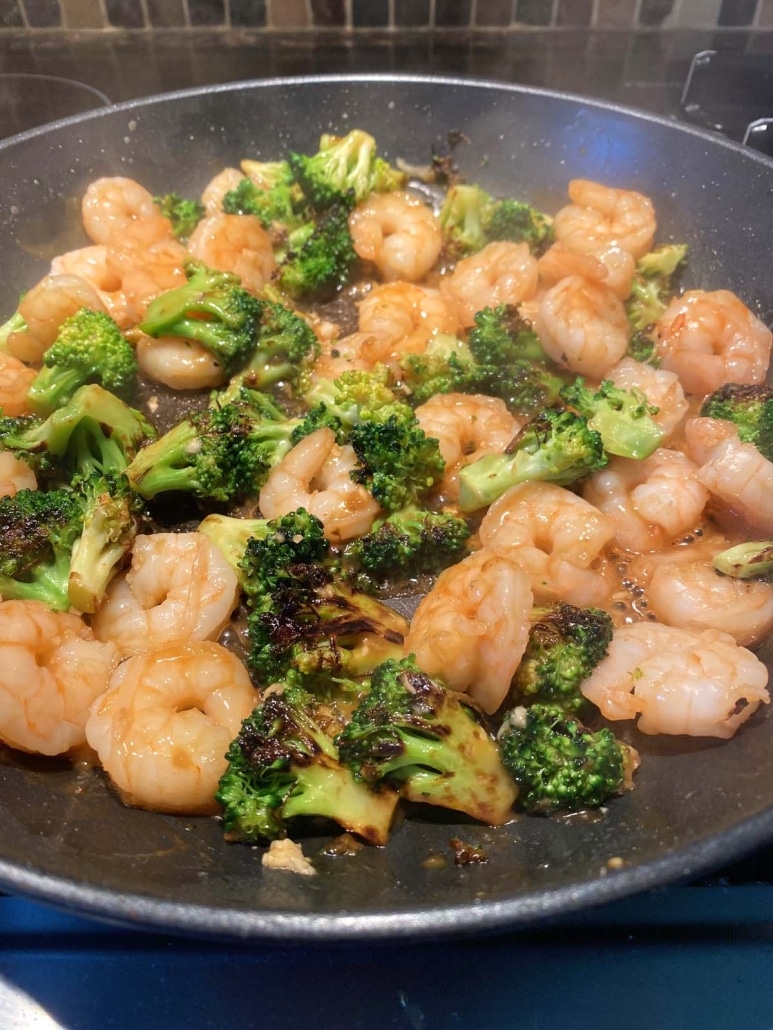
(184, 214)
(471, 218)
(321, 264)
(749, 408)
(355, 397)
(282, 205)
(284, 765)
(343, 166)
(212, 309)
(749, 560)
(426, 741)
(446, 365)
(556, 446)
(623, 418)
(558, 763)
(654, 283)
(89, 348)
(565, 645)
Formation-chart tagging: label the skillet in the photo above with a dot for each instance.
(64, 837)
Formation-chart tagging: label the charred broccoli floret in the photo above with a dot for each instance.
(749, 560)
(749, 408)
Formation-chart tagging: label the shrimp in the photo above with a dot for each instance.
(163, 727)
(144, 274)
(661, 388)
(472, 628)
(119, 212)
(15, 381)
(234, 243)
(648, 502)
(51, 671)
(44, 308)
(501, 273)
(179, 588)
(15, 475)
(467, 426)
(401, 318)
(710, 339)
(600, 216)
(177, 363)
(693, 595)
(213, 193)
(96, 266)
(398, 233)
(583, 326)
(315, 475)
(556, 536)
(679, 681)
(345, 355)
(611, 265)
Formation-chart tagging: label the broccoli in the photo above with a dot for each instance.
(565, 645)
(749, 408)
(558, 763)
(303, 617)
(654, 283)
(283, 764)
(285, 348)
(517, 221)
(184, 214)
(623, 418)
(94, 432)
(211, 308)
(38, 530)
(222, 453)
(89, 348)
(409, 543)
(415, 735)
(556, 446)
(15, 324)
(267, 174)
(445, 366)
(471, 218)
(281, 205)
(319, 263)
(355, 397)
(343, 166)
(749, 560)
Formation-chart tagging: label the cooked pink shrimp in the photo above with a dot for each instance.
(235, 243)
(15, 380)
(467, 426)
(472, 627)
(315, 475)
(51, 670)
(346, 355)
(401, 318)
(44, 308)
(710, 339)
(680, 681)
(164, 725)
(398, 233)
(179, 364)
(583, 326)
(144, 273)
(179, 588)
(119, 212)
(94, 264)
(694, 595)
(15, 475)
(600, 216)
(610, 264)
(556, 536)
(217, 187)
(661, 388)
(501, 273)
(650, 502)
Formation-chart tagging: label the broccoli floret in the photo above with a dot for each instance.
(320, 263)
(445, 366)
(284, 764)
(623, 418)
(641, 347)
(343, 165)
(267, 174)
(565, 645)
(519, 222)
(281, 205)
(211, 308)
(559, 763)
(556, 446)
(750, 560)
(38, 530)
(471, 218)
(303, 616)
(355, 397)
(654, 283)
(89, 348)
(15, 324)
(397, 462)
(413, 734)
(749, 408)
(408, 544)
(184, 214)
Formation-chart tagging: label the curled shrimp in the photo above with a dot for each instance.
(51, 670)
(179, 588)
(177, 363)
(217, 187)
(694, 595)
(44, 308)
(345, 355)
(401, 318)
(315, 475)
(15, 381)
(467, 426)
(162, 728)
(661, 388)
(144, 273)
(583, 326)
(710, 339)
(649, 502)
(611, 265)
(501, 273)
(94, 264)
(600, 216)
(234, 243)
(398, 233)
(556, 536)
(679, 681)
(15, 475)
(118, 211)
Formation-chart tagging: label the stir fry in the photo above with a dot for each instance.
(334, 492)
